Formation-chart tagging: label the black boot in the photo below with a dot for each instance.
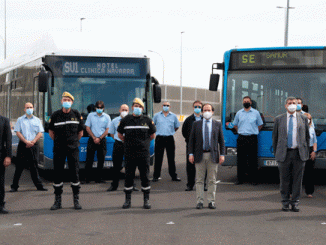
(147, 205)
(2, 209)
(75, 191)
(127, 203)
(57, 198)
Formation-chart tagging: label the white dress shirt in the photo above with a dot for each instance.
(294, 134)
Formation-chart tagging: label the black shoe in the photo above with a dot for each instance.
(77, 206)
(176, 179)
(42, 188)
(100, 181)
(211, 205)
(154, 179)
(285, 207)
(295, 208)
(199, 206)
(13, 190)
(238, 182)
(111, 188)
(189, 188)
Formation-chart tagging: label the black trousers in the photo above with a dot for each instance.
(101, 152)
(308, 176)
(191, 172)
(117, 158)
(247, 162)
(142, 162)
(59, 159)
(27, 158)
(161, 143)
(2, 182)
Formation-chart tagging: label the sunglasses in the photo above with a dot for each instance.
(198, 107)
(167, 105)
(100, 107)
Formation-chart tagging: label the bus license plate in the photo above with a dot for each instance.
(108, 164)
(270, 163)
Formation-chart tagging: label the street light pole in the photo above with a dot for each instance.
(286, 31)
(5, 41)
(181, 75)
(81, 24)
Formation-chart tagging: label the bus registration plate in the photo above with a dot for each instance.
(107, 164)
(270, 163)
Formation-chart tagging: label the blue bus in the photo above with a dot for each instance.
(269, 76)
(42, 77)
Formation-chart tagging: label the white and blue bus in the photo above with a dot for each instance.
(269, 76)
(42, 77)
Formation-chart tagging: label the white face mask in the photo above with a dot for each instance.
(123, 114)
(207, 115)
(292, 107)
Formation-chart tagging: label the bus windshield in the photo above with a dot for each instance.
(88, 90)
(269, 90)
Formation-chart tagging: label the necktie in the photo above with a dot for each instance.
(206, 148)
(290, 132)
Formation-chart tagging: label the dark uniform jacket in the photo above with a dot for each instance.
(137, 131)
(66, 127)
(187, 126)
(5, 139)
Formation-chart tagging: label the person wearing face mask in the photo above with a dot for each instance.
(291, 141)
(248, 123)
(166, 124)
(300, 109)
(186, 130)
(136, 132)
(97, 127)
(118, 148)
(308, 175)
(66, 129)
(29, 130)
(206, 149)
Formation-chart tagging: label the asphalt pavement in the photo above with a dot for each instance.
(245, 214)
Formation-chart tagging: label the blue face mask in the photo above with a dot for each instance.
(298, 107)
(29, 111)
(99, 111)
(197, 110)
(137, 111)
(66, 104)
(165, 108)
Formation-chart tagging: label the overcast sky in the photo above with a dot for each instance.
(209, 28)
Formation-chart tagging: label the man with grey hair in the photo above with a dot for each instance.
(291, 150)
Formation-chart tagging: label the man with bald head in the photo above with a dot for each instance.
(118, 148)
(29, 130)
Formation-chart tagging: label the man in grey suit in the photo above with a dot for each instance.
(206, 149)
(291, 150)
(5, 157)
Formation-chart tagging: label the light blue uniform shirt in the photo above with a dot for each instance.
(198, 118)
(29, 127)
(98, 124)
(248, 122)
(166, 125)
(209, 125)
(114, 126)
(313, 138)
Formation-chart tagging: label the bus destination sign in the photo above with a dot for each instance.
(277, 59)
(113, 69)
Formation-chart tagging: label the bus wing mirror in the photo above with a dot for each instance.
(157, 93)
(213, 83)
(43, 80)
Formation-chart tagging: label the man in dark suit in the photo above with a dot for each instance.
(291, 150)
(5, 157)
(206, 149)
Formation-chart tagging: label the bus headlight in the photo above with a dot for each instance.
(231, 151)
(321, 154)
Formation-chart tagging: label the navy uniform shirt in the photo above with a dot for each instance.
(66, 127)
(137, 131)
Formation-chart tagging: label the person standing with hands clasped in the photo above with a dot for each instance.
(137, 131)
(248, 123)
(5, 157)
(66, 129)
(29, 130)
(97, 126)
(291, 149)
(308, 176)
(206, 149)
